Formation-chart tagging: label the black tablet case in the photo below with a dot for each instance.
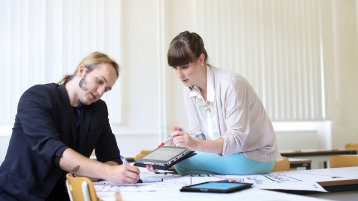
(167, 164)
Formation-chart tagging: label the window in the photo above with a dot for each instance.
(43, 40)
(276, 45)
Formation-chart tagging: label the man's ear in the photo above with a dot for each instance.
(81, 71)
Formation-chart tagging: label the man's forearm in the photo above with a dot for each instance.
(76, 163)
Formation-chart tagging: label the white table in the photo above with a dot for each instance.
(251, 194)
(328, 178)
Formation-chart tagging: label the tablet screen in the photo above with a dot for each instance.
(218, 185)
(165, 153)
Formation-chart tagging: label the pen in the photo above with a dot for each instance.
(166, 141)
(227, 181)
(124, 160)
(176, 128)
(150, 180)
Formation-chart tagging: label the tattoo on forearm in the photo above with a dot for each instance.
(75, 169)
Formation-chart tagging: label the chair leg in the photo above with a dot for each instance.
(69, 190)
(85, 191)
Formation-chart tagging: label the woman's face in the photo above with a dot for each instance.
(189, 74)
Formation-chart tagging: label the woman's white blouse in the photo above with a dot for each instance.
(236, 115)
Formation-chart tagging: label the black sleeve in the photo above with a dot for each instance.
(34, 113)
(106, 147)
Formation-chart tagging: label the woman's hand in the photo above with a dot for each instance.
(183, 139)
(150, 168)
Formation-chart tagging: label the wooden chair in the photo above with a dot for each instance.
(93, 155)
(80, 188)
(282, 165)
(343, 161)
(352, 146)
(142, 153)
(118, 197)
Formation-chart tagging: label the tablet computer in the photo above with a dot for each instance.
(216, 187)
(164, 157)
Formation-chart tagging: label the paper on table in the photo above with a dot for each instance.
(273, 181)
(278, 181)
(169, 182)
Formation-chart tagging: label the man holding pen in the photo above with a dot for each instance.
(57, 127)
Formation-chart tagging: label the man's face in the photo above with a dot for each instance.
(95, 83)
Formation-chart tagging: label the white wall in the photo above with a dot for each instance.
(344, 104)
(152, 101)
(141, 54)
(141, 71)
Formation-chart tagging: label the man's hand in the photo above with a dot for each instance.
(123, 174)
(72, 161)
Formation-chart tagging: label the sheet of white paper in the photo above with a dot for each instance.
(278, 181)
(273, 181)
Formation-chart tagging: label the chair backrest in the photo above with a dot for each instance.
(142, 153)
(118, 197)
(282, 165)
(352, 146)
(343, 161)
(80, 188)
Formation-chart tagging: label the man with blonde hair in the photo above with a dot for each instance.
(57, 127)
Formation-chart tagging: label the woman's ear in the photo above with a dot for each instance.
(201, 59)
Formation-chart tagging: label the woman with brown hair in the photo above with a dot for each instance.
(228, 126)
